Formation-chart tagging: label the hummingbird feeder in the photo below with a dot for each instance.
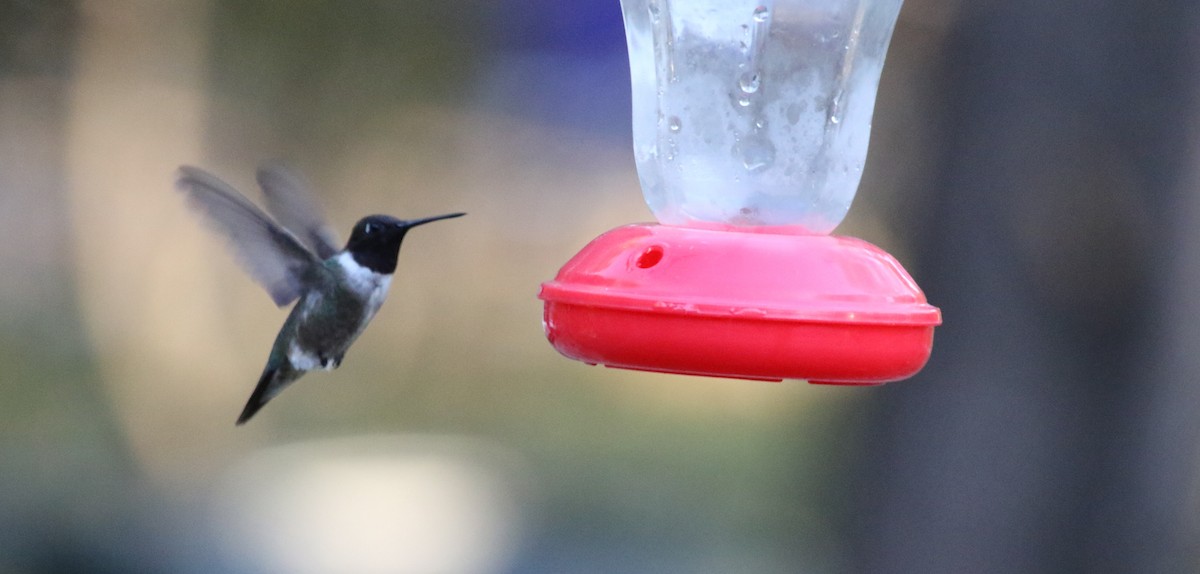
(750, 126)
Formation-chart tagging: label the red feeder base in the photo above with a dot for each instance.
(742, 304)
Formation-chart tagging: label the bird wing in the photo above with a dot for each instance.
(268, 252)
(290, 200)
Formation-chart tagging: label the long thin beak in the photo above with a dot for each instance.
(415, 222)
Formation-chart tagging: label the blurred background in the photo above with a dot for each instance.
(1035, 165)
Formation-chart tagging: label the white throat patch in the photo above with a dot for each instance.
(360, 278)
(370, 285)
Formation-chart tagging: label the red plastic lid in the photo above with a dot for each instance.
(740, 304)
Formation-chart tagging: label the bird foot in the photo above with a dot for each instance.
(330, 363)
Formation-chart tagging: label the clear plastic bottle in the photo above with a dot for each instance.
(747, 115)
(754, 112)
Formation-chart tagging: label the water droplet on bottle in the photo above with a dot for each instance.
(743, 101)
(760, 123)
(793, 113)
(757, 153)
(834, 111)
(674, 124)
(762, 14)
(749, 82)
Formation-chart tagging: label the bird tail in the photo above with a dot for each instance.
(273, 380)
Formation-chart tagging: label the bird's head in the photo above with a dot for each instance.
(375, 241)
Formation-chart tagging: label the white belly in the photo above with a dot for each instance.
(369, 286)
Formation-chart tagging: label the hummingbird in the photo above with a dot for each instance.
(294, 256)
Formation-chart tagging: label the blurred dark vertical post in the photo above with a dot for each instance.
(1055, 428)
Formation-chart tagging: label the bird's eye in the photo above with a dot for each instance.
(368, 229)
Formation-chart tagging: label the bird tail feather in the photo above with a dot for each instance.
(273, 380)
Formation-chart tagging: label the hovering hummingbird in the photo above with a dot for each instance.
(294, 257)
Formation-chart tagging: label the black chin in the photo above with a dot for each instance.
(380, 258)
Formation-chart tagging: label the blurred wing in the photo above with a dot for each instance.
(271, 255)
(290, 200)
